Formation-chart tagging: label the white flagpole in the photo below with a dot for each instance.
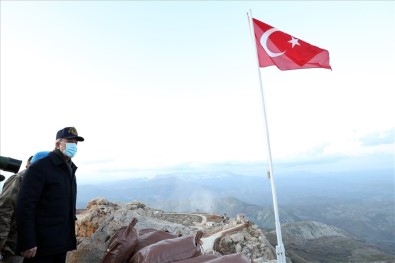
(280, 250)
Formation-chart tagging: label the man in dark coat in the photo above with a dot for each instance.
(46, 207)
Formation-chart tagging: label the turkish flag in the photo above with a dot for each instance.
(285, 51)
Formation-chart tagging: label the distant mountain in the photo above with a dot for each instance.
(311, 241)
(174, 188)
(361, 203)
(372, 221)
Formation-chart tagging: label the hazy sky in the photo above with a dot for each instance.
(153, 84)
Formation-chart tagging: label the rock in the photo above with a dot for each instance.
(101, 219)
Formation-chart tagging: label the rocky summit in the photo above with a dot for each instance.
(219, 236)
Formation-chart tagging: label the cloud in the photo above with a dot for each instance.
(379, 138)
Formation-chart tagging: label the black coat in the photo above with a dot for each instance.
(45, 212)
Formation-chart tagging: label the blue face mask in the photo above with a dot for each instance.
(71, 149)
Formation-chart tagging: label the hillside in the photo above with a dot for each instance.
(304, 241)
(311, 241)
(340, 200)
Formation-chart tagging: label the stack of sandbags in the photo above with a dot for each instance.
(157, 246)
(169, 250)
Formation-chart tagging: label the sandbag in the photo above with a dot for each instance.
(122, 244)
(170, 250)
(232, 258)
(151, 237)
(199, 259)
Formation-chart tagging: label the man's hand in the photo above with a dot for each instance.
(30, 253)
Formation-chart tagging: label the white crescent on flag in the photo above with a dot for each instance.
(264, 39)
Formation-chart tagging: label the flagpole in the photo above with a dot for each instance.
(280, 250)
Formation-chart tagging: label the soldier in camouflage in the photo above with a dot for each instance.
(8, 199)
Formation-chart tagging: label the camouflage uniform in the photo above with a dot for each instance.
(8, 234)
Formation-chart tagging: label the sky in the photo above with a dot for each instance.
(160, 84)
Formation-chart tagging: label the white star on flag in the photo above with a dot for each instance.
(294, 41)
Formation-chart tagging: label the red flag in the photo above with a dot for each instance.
(285, 51)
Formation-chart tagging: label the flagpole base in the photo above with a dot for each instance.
(280, 251)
